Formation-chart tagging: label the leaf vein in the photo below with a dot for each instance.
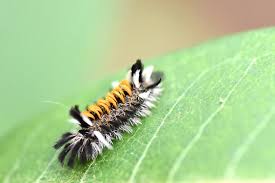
(243, 148)
(186, 150)
(136, 168)
(17, 163)
(46, 169)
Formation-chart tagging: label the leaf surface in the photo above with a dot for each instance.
(214, 121)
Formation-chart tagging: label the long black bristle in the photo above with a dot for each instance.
(89, 149)
(137, 66)
(63, 140)
(75, 113)
(63, 153)
(73, 153)
(83, 153)
(154, 84)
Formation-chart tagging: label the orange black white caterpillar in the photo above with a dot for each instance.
(106, 120)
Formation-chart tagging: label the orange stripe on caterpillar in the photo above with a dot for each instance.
(95, 111)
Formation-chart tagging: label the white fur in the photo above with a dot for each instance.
(144, 112)
(147, 73)
(136, 78)
(145, 94)
(109, 139)
(97, 148)
(126, 128)
(118, 135)
(129, 75)
(149, 104)
(74, 121)
(102, 139)
(135, 121)
(87, 120)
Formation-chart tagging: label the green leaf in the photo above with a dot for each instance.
(214, 121)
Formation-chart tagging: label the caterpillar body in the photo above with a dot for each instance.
(107, 119)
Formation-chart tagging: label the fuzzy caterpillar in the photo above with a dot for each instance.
(107, 119)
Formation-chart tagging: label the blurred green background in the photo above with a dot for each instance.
(52, 49)
(49, 50)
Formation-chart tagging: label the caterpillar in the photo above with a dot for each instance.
(122, 108)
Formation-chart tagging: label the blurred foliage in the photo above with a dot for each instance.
(48, 50)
